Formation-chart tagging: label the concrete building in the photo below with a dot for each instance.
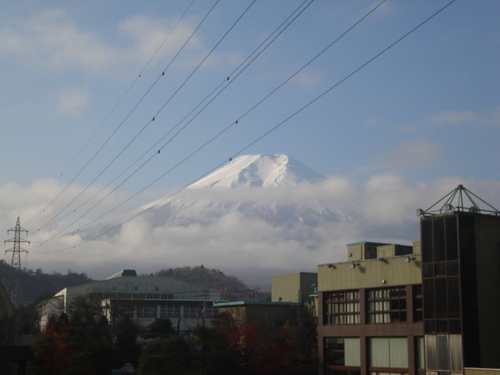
(431, 308)
(265, 315)
(141, 298)
(288, 292)
(370, 311)
(293, 287)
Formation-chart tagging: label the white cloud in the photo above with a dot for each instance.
(414, 155)
(383, 209)
(454, 117)
(52, 40)
(72, 101)
(309, 78)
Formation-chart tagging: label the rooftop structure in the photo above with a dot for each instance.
(432, 310)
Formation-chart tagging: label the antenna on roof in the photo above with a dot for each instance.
(455, 201)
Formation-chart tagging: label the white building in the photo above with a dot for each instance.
(141, 298)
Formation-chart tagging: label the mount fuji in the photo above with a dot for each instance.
(241, 187)
(259, 214)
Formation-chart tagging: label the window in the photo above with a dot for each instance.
(340, 351)
(341, 307)
(387, 305)
(418, 314)
(370, 252)
(444, 352)
(388, 352)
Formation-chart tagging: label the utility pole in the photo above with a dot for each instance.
(14, 281)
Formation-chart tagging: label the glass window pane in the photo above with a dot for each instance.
(443, 352)
(456, 360)
(426, 235)
(451, 238)
(453, 297)
(438, 234)
(431, 352)
(352, 352)
(419, 345)
(379, 352)
(398, 352)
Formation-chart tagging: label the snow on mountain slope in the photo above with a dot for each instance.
(264, 190)
(259, 170)
(260, 187)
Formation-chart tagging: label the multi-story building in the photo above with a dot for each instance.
(370, 311)
(141, 298)
(461, 279)
(428, 309)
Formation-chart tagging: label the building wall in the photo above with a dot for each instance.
(349, 322)
(487, 229)
(460, 277)
(266, 316)
(370, 273)
(293, 287)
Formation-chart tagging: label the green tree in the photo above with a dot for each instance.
(126, 332)
(160, 328)
(169, 355)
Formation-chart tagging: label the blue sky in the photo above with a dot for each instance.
(428, 109)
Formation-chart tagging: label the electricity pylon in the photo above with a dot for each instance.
(14, 282)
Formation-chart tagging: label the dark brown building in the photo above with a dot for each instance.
(434, 311)
(461, 280)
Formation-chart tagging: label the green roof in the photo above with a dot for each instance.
(123, 273)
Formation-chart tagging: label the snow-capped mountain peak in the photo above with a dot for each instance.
(259, 171)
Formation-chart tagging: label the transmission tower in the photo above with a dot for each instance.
(14, 282)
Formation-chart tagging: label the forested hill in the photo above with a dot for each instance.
(204, 277)
(37, 285)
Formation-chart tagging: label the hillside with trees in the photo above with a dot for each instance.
(37, 284)
(231, 287)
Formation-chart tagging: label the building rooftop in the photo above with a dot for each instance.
(123, 273)
(368, 243)
(254, 303)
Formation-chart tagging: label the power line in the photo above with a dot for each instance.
(260, 137)
(108, 116)
(250, 61)
(121, 124)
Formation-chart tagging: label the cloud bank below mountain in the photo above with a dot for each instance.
(247, 230)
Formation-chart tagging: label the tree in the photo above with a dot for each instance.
(79, 342)
(126, 332)
(169, 355)
(160, 328)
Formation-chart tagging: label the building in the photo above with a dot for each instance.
(293, 287)
(265, 316)
(288, 292)
(460, 271)
(370, 311)
(141, 298)
(430, 310)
